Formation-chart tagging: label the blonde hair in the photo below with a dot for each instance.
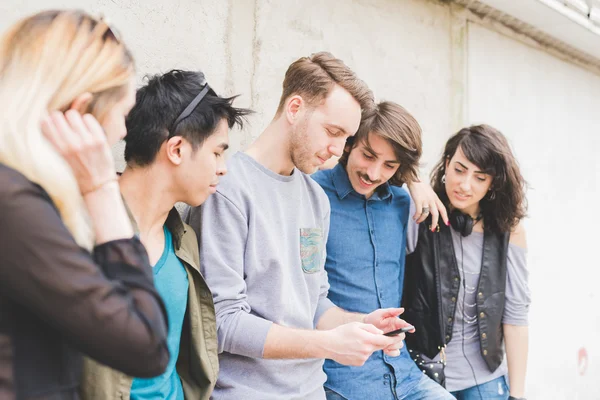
(46, 61)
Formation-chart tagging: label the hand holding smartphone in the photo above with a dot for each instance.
(399, 331)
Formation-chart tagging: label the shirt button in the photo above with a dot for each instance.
(480, 294)
(455, 279)
(483, 335)
(447, 337)
(481, 315)
(454, 299)
(485, 352)
(450, 319)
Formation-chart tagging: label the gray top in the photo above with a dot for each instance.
(262, 254)
(469, 251)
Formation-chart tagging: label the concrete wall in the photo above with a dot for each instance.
(400, 47)
(448, 72)
(550, 110)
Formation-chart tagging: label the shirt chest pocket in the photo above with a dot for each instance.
(311, 249)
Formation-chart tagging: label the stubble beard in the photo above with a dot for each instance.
(300, 149)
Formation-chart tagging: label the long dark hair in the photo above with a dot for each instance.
(505, 204)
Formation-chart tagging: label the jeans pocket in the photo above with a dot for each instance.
(311, 249)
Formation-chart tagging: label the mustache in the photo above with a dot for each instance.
(366, 179)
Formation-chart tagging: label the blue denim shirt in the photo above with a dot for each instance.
(365, 264)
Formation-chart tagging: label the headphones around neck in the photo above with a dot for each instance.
(462, 223)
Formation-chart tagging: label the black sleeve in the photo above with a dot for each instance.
(105, 305)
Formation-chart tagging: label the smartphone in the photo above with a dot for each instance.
(399, 331)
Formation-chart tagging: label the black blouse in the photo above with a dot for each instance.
(58, 301)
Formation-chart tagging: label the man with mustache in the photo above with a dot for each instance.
(262, 243)
(366, 246)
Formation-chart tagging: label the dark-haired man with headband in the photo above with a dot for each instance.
(176, 136)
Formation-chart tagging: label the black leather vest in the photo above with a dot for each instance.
(431, 286)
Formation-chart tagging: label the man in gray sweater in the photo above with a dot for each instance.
(262, 247)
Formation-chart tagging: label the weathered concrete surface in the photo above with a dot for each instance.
(550, 110)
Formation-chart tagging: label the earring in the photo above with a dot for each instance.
(444, 178)
(492, 195)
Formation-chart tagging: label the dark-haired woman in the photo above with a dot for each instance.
(466, 285)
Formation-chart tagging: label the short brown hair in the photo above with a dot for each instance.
(313, 78)
(392, 122)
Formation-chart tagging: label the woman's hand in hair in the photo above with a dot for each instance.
(426, 203)
(81, 141)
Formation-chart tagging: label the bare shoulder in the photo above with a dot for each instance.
(518, 236)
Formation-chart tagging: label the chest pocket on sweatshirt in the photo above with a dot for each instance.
(311, 249)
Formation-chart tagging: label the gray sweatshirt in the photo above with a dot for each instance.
(262, 239)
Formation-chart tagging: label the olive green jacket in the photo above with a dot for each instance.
(198, 362)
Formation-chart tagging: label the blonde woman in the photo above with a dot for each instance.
(73, 279)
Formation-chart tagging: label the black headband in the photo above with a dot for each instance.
(190, 108)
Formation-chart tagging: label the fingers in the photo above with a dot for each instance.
(392, 353)
(371, 329)
(418, 209)
(427, 203)
(395, 324)
(379, 341)
(70, 140)
(365, 339)
(426, 208)
(50, 131)
(70, 132)
(375, 337)
(420, 216)
(95, 129)
(391, 312)
(443, 212)
(381, 318)
(434, 214)
(78, 126)
(83, 145)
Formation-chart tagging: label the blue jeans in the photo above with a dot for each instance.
(426, 389)
(492, 390)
